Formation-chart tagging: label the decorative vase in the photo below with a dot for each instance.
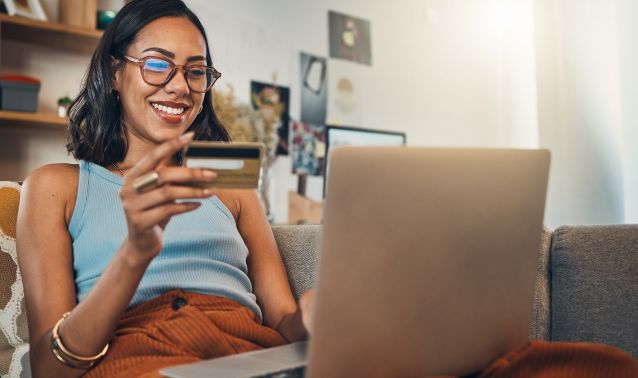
(80, 13)
(264, 187)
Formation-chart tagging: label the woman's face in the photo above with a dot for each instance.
(155, 114)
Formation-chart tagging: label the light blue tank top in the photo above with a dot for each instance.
(203, 251)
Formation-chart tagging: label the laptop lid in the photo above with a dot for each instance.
(428, 259)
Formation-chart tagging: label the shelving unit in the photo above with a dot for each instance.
(10, 119)
(62, 36)
(29, 140)
(53, 34)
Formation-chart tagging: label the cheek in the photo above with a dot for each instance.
(198, 102)
(135, 88)
(134, 103)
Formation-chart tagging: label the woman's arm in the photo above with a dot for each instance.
(45, 258)
(266, 269)
(45, 255)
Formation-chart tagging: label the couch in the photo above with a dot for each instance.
(586, 283)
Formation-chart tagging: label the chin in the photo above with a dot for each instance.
(162, 127)
(162, 133)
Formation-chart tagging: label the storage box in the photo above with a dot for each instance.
(19, 93)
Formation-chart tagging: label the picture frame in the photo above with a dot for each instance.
(350, 38)
(314, 89)
(308, 148)
(274, 99)
(26, 8)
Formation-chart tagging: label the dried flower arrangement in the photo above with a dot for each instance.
(245, 124)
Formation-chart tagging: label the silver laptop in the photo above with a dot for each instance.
(427, 265)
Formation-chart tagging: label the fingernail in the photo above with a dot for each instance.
(208, 174)
(187, 137)
(207, 192)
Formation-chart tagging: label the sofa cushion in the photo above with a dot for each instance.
(13, 321)
(594, 285)
(299, 247)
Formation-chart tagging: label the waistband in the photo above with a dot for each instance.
(175, 299)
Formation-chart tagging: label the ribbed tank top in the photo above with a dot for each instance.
(203, 251)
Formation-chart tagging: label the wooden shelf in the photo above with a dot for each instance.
(63, 36)
(40, 120)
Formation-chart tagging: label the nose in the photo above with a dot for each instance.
(178, 84)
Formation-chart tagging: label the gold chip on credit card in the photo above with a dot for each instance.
(238, 165)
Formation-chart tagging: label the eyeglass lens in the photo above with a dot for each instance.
(157, 72)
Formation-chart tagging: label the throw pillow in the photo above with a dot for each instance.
(14, 338)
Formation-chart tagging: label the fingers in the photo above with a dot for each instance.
(166, 194)
(149, 211)
(172, 183)
(307, 304)
(182, 175)
(162, 152)
(160, 215)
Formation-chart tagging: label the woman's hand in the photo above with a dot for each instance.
(149, 211)
(307, 306)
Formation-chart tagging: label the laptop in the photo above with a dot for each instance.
(427, 266)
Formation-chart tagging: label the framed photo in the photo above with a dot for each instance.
(349, 38)
(314, 91)
(273, 99)
(27, 8)
(308, 148)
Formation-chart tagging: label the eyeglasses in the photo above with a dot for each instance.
(158, 71)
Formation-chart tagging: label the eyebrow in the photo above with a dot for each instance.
(172, 56)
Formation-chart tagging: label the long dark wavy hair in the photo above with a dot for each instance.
(96, 131)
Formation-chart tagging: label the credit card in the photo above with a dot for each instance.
(238, 165)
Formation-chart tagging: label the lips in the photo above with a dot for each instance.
(174, 108)
(169, 111)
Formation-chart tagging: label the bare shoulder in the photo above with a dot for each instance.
(237, 200)
(53, 179)
(54, 185)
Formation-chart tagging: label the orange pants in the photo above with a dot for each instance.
(181, 327)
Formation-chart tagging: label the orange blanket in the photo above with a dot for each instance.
(540, 359)
(181, 327)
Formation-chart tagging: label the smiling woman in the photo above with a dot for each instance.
(157, 103)
(149, 86)
(128, 266)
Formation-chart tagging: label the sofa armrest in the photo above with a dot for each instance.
(539, 320)
(300, 248)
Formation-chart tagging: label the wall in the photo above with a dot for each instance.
(447, 72)
(580, 110)
(627, 31)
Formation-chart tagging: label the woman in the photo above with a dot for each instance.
(119, 250)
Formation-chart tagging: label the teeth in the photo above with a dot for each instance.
(167, 109)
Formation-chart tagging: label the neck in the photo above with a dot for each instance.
(137, 149)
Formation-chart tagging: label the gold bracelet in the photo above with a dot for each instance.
(60, 352)
(75, 365)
